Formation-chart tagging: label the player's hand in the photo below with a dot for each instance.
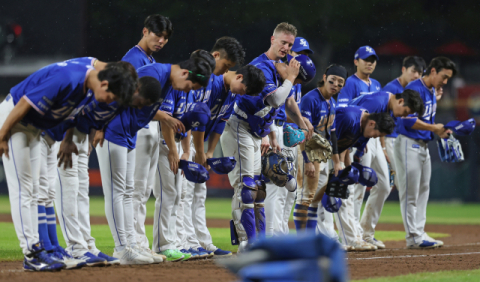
(208, 155)
(185, 157)
(310, 169)
(4, 148)
(90, 148)
(99, 138)
(309, 133)
(441, 131)
(175, 124)
(64, 155)
(292, 69)
(337, 167)
(275, 146)
(201, 159)
(386, 156)
(173, 160)
(265, 145)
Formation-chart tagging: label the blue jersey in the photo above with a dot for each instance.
(54, 92)
(122, 130)
(430, 102)
(176, 102)
(348, 126)
(83, 60)
(320, 112)
(373, 103)
(394, 87)
(261, 58)
(272, 78)
(355, 87)
(138, 57)
(220, 101)
(296, 92)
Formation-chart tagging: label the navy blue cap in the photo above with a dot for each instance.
(365, 52)
(462, 128)
(194, 172)
(222, 165)
(301, 44)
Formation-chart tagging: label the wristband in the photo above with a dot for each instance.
(384, 148)
(305, 157)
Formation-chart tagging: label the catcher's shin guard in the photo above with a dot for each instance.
(243, 214)
(260, 206)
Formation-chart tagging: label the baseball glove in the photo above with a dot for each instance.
(292, 137)
(276, 167)
(318, 149)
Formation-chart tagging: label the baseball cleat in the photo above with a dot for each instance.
(428, 238)
(371, 245)
(92, 260)
(148, 253)
(377, 243)
(187, 255)
(110, 260)
(221, 253)
(203, 250)
(130, 256)
(424, 245)
(69, 261)
(172, 255)
(40, 260)
(362, 246)
(202, 253)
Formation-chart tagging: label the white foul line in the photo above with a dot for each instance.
(416, 256)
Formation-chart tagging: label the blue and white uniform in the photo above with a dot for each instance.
(192, 231)
(252, 119)
(413, 164)
(374, 158)
(321, 114)
(355, 87)
(54, 93)
(117, 162)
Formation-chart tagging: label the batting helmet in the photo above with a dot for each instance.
(331, 204)
(307, 67)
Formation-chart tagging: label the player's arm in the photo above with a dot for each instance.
(186, 146)
(67, 147)
(293, 112)
(277, 98)
(337, 165)
(169, 137)
(384, 148)
(417, 124)
(198, 143)
(273, 141)
(169, 121)
(16, 115)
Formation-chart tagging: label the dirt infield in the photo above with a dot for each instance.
(461, 252)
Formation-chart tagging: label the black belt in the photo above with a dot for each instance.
(279, 122)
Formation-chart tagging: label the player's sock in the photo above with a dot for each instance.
(312, 218)
(43, 229)
(300, 216)
(52, 226)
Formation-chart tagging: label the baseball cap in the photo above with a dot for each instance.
(462, 128)
(368, 176)
(194, 172)
(301, 44)
(365, 52)
(222, 165)
(196, 116)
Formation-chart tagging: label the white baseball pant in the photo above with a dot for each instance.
(390, 146)
(117, 166)
(167, 192)
(374, 158)
(72, 200)
(22, 168)
(324, 218)
(414, 169)
(146, 160)
(48, 171)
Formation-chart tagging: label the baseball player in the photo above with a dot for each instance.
(166, 190)
(354, 126)
(251, 121)
(360, 83)
(219, 95)
(412, 69)
(156, 32)
(116, 157)
(300, 47)
(319, 107)
(412, 158)
(282, 41)
(40, 102)
(397, 105)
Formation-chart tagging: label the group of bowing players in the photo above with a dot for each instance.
(146, 120)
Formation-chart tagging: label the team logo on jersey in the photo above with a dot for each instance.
(369, 50)
(303, 42)
(378, 88)
(195, 124)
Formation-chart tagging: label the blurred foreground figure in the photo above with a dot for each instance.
(302, 257)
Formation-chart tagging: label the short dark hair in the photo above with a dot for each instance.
(159, 24)
(203, 54)
(411, 99)
(417, 62)
(320, 83)
(150, 88)
(253, 78)
(230, 49)
(124, 65)
(440, 63)
(120, 83)
(200, 70)
(383, 122)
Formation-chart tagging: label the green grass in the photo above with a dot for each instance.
(437, 213)
(442, 276)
